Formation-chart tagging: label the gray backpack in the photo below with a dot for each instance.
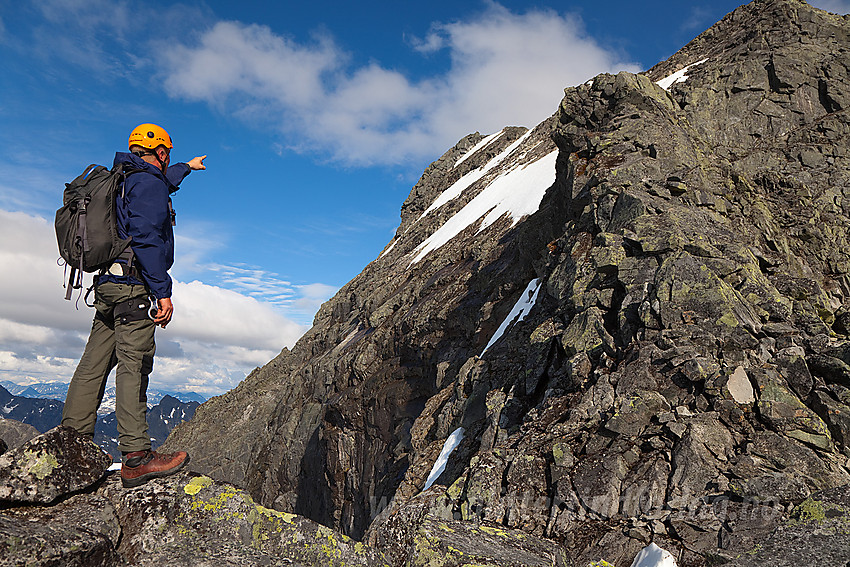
(87, 225)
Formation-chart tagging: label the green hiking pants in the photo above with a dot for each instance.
(130, 346)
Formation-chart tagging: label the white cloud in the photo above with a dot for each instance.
(506, 69)
(834, 6)
(432, 43)
(255, 282)
(197, 241)
(40, 368)
(31, 286)
(214, 315)
(216, 337)
(255, 59)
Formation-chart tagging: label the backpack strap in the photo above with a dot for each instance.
(125, 173)
(127, 255)
(69, 289)
(82, 238)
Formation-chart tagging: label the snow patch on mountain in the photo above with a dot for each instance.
(654, 556)
(678, 77)
(462, 184)
(440, 464)
(517, 192)
(480, 146)
(520, 310)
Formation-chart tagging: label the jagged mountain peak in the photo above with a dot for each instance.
(473, 150)
(759, 28)
(628, 325)
(647, 343)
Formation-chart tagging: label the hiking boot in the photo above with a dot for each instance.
(141, 466)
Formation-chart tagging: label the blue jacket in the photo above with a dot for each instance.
(144, 214)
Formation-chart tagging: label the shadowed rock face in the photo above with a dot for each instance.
(325, 430)
(683, 374)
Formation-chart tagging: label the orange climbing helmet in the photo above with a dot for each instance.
(150, 136)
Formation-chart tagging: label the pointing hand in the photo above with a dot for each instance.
(197, 163)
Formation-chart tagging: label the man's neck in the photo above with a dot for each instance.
(152, 160)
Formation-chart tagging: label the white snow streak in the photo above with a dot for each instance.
(467, 180)
(677, 77)
(462, 184)
(518, 192)
(523, 305)
(479, 146)
(387, 251)
(440, 464)
(654, 556)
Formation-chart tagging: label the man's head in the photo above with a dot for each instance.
(151, 143)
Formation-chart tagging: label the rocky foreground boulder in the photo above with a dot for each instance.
(187, 519)
(60, 506)
(51, 465)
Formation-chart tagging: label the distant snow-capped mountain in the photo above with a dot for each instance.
(45, 414)
(58, 391)
(162, 418)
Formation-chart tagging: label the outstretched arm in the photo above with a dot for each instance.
(177, 172)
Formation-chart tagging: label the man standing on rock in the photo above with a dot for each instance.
(122, 333)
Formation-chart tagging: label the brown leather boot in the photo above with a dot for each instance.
(139, 467)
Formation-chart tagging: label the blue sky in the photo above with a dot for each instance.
(317, 119)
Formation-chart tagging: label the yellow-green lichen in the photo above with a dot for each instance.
(456, 489)
(600, 563)
(445, 528)
(558, 452)
(40, 464)
(729, 320)
(269, 513)
(810, 510)
(219, 506)
(499, 532)
(197, 484)
(428, 552)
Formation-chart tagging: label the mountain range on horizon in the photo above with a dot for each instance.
(45, 412)
(58, 391)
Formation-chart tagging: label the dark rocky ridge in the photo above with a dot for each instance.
(683, 377)
(43, 414)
